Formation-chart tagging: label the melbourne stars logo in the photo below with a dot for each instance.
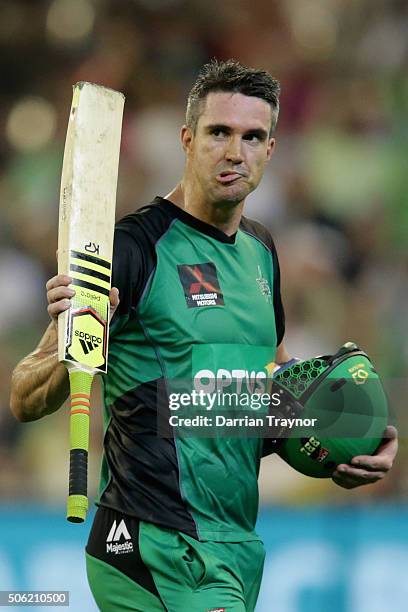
(200, 284)
(264, 287)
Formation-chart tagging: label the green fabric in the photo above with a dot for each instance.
(202, 576)
(189, 575)
(199, 457)
(113, 591)
(171, 340)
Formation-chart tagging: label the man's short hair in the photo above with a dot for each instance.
(231, 76)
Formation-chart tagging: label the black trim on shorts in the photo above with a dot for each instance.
(129, 563)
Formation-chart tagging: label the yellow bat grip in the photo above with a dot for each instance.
(80, 385)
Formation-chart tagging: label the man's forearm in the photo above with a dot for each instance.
(282, 355)
(39, 383)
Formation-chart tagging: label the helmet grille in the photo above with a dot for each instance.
(298, 377)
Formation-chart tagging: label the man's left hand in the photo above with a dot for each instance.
(366, 469)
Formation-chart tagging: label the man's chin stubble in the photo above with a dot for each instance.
(232, 197)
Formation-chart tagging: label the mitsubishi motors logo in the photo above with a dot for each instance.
(200, 284)
(116, 533)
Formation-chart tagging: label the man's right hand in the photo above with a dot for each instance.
(59, 296)
(40, 383)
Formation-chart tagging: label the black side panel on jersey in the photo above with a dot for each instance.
(134, 254)
(261, 233)
(135, 455)
(146, 486)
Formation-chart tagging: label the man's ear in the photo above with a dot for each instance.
(271, 148)
(186, 136)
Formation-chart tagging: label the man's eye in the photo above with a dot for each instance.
(252, 137)
(218, 132)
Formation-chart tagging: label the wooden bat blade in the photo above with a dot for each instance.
(86, 222)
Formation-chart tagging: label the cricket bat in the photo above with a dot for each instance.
(85, 244)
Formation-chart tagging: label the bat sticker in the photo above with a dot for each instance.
(87, 343)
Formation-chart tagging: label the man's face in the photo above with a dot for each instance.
(226, 155)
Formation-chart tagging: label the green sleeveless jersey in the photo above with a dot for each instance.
(196, 307)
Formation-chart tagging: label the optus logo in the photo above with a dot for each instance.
(251, 381)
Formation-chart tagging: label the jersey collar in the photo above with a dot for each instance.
(197, 224)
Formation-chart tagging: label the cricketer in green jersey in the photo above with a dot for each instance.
(200, 305)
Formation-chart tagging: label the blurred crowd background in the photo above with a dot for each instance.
(334, 194)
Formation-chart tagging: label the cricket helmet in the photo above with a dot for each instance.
(344, 393)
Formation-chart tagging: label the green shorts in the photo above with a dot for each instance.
(137, 566)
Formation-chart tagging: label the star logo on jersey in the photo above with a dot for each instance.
(200, 284)
(264, 287)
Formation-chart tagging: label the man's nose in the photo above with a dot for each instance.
(234, 151)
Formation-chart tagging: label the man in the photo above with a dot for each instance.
(196, 298)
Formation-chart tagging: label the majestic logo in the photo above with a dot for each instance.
(200, 284)
(116, 533)
(264, 287)
(217, 610)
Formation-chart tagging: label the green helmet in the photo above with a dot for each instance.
(344, 394)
